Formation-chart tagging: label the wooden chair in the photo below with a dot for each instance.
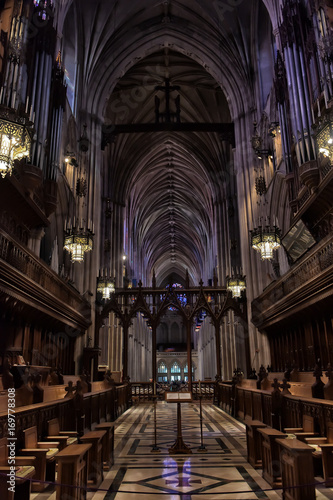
(64, 438)
(45, 453)
(24, 470)
(304, 432)
(323, 450)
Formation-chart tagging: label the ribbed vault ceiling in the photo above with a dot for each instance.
(168, 180)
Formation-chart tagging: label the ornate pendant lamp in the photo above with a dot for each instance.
(78, 240)
(105, 285)
(236, 284)
(266, 239)
(324, 136)
(15, 139)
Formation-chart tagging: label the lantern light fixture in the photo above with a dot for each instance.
(16, 134)
(78, 239)
(266, 239)
(105, 284)
(236, 284)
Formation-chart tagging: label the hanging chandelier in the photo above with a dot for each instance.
(78, 240)
(236, 284)
(105, 286)
(15, 138)
(324, 136)
(266, 239)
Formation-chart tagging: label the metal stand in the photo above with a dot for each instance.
(155, 448)
(202, 447)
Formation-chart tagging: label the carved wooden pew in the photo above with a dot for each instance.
(45, 453)
(253, 442)
(297, 470)
(65, 438)
(107, 443)
(270, 451)
(72, 472)
(95, 468)
(304, 432)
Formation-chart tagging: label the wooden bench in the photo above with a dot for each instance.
(296, 470)
(65, 438)
(72, 472)
(45, 453)
(303, 432)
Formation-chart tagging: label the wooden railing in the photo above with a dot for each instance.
(26, 275)
(144, 391)
(99, 407)
(278, 411)
(312, 274)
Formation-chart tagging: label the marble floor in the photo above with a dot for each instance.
(221, 472)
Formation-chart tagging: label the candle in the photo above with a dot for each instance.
(26, 106)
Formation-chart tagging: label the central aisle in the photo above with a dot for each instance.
(222, 473)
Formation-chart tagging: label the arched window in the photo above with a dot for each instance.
(175, 372)
(162, 368)
(186, 372)
(162, 375)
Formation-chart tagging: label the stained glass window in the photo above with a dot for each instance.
(162, 368)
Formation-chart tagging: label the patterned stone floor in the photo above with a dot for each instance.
(221, 472)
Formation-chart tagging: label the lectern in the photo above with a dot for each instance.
(179, 447)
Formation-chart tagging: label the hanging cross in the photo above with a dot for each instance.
(167, 89)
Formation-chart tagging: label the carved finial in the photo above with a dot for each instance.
(140, 284)
(318, 371)
(276, 386)
(201, 283)
(285, 386)
(329, 373)
(154, 279)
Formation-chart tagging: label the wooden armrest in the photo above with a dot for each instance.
(68, 433)
(292, 430)
(25, 460)
(304, 434)
(316, 440)
(57, 438)
(326, 446)
(34, 451)
(50, 444)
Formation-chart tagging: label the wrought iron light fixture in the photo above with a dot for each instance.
(260, 185)
(105, 285)
(256, 143)
(78, 240)
(16, 133)
(236, 284)
(266, 239)
(324, 136)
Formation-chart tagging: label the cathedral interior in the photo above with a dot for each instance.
(166, 188)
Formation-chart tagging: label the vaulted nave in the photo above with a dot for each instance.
(166, 236)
